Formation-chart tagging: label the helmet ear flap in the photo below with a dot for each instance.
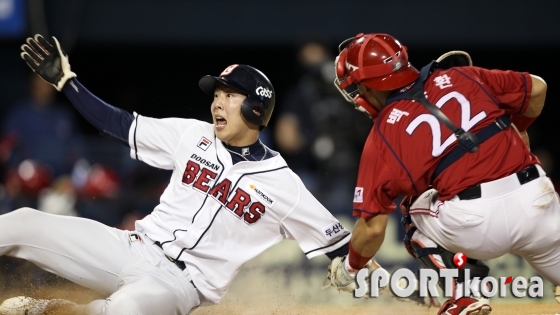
(254, 112)
(340, 64)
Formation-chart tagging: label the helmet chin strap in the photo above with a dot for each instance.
(362, 105)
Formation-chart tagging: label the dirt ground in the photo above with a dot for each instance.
(232, 309)
(257, 291)
(249, 297)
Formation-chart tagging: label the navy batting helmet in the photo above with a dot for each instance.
(257, 107)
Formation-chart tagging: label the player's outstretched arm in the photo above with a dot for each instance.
(50, 62)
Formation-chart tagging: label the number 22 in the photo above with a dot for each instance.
(466, 121)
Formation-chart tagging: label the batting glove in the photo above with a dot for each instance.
(339, 278)
(48, 60)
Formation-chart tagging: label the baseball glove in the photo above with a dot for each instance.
(339, 278)
(48, 60)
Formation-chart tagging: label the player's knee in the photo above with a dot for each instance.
(29, 218)
(24, 214)
(148, 296)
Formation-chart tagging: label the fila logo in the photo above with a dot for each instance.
(262, 91)
(135, 237)
(228, 70)
(204, 143)
(396, 115)
(359, 195)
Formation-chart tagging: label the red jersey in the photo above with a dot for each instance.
(407, 142)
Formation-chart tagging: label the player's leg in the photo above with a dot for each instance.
(535, 228)
(431, 255)
(144, 289)
(80, 250)
(98, 257)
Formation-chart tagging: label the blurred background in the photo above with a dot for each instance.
(147, 56)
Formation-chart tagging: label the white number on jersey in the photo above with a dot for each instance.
(466, 121)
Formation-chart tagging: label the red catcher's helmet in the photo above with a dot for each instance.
(378, 61)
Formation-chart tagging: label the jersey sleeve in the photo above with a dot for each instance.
(313, 227)
(154, 141)
(377, 187)
(511, 89)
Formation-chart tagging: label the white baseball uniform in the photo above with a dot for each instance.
(509, 217)
(214, 216)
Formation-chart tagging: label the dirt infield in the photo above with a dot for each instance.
(275, 289)
(232, 309)
(256, 291)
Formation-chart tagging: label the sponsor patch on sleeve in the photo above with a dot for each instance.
(333, 230)
(359, 194)
(262, 195)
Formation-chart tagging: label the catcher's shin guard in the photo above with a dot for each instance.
(432, 256)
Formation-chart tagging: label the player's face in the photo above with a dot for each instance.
(229, 124)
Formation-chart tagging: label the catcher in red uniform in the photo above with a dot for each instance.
(454, 135)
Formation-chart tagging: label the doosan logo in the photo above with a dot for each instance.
(262, 91)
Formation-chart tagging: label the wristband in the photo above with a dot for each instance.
(522, 122)
(355, 260)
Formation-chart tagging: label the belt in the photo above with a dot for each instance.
(526, 175)
(178, 263)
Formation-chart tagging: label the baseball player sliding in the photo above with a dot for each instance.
(229, 198)
(448, 128)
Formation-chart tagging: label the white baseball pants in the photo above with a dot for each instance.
(508, 218)
(136, 276)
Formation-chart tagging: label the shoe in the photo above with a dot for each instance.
(557, 293)
(22, 305)
(466, 306)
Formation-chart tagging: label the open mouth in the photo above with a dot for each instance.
(221, 123)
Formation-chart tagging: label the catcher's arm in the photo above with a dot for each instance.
(536, 103)
(342, 270)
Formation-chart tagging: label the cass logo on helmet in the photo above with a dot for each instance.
(262, 91)
(257, 107)
(378, 61)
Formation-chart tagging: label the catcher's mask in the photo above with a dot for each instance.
(378, 61)
(257, 107)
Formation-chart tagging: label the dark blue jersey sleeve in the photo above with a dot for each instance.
(109, 120)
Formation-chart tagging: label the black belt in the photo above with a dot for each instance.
(526, 175)
(178, 263)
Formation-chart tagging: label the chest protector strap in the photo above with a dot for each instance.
(466, 141)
